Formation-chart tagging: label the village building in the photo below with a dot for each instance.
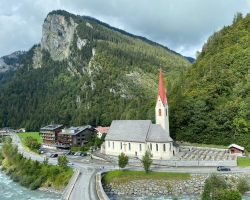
(49, 133)
(75, 136)
(134, 137)
(236, 149)
(101, 130)
(57, 135)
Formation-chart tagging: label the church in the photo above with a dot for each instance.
(134, 137)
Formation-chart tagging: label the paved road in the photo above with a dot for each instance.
(84, 188)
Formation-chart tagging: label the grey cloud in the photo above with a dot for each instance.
(181, 25)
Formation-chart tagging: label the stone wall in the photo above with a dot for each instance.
(194, 185)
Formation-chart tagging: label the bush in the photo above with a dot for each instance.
(147, 160)
(224, 194)
(26, 181)
(15, 177)
(212, 183)
(36, 184)
(243, 185)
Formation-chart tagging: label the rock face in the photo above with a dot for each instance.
(11, 62)
(57, 35)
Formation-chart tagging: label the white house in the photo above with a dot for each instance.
(134, 137)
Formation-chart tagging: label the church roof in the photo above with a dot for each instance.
(158, 134)
(137, 131)
(128, 130)
(161, 91)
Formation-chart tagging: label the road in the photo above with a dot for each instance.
(85, 185)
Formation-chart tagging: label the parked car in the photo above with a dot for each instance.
(54, 155)
(222, 168)
(70, 163)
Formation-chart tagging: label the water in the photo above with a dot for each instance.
(10, 190)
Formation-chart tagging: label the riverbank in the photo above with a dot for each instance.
(194, 185)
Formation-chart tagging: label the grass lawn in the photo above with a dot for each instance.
(205, 145)
(243, 161)
(125, 176)
(35, 135)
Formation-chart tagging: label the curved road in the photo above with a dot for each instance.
(84, 188)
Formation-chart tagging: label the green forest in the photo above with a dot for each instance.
(210, 103)
(119, 81)
(115, 75)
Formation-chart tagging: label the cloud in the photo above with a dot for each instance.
(181, 25)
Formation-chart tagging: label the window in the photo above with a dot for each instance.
(108, 144)
(166, 112)
(156, 147)
(113, 145)
(129, 147)
(140, 147)
(164, 147)
(150, 146)
(170, 144)
(121, 145)
(159, 112)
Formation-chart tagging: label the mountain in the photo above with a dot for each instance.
(8, 66)
(190, 59)
(211, 100)
(86, 72)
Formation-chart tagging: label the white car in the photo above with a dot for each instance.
(70, 163)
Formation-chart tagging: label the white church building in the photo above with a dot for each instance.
(134, 137)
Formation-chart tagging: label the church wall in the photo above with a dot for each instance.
(132, 149)
(161, 154)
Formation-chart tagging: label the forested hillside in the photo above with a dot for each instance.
(211, 101)
(85, 72)
(8, 65)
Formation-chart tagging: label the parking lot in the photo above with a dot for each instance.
(71, 156)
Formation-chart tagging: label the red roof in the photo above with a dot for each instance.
(161, 91)
(102, 129)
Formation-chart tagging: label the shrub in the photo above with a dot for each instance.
(36, 184)
(122, 160)
(147, 160)
(15, 177)
(224, 194)
(26, 181)
(243, 186)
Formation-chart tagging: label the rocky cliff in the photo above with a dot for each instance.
(11, 62)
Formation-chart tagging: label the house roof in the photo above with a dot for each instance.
(75, 130)
(136, 131)
(161, 91)
(102, 129)
(236, 146)
(52, 127)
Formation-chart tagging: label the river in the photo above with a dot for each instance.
(10, 190)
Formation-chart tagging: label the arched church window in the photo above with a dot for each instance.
(113, 145)
(159, 112)
(156, 147)
(129, 147)
(151, 146)
(108, 144)
(164, 147)
(140, 147)
(121, 145)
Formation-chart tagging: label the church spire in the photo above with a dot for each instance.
(161, 106)
(161, 92)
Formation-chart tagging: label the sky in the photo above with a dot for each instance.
(181, 25)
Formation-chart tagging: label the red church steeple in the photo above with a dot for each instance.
(161, 91)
